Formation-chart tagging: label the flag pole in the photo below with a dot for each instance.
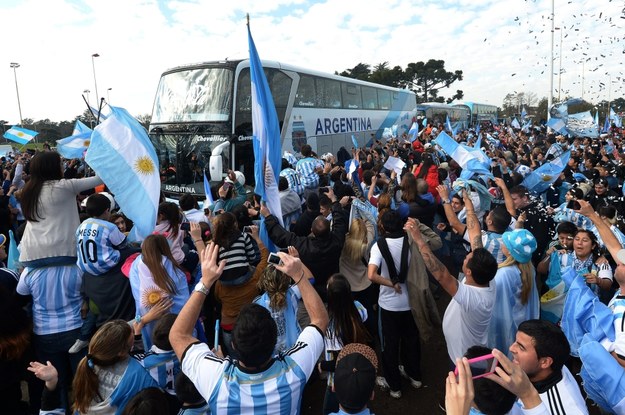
(88, 106)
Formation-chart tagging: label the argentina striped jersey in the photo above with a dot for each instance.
(56, 297)
(230, 389)
(97, 240)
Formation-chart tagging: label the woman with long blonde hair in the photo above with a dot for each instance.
(155, 275)
(354, 261)
(517, 294)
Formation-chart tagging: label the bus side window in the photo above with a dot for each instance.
(329, 93)
(384, 99)
(369, 98)
(305, 92)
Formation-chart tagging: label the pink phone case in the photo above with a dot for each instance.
(490, 371)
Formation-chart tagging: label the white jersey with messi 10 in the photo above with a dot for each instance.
(231, 389)
(97, 244)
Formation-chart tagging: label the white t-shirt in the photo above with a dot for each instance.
(388, 298)
(467, 317)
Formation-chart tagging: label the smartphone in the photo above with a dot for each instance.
(247, 229)
(324, 189)
(185, 226)
(274, 259)
(481, 366)
(285, 250)
(227, 186)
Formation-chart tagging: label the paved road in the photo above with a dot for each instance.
(434, 365)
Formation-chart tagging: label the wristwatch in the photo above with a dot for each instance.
(446, 201)
(201, 288)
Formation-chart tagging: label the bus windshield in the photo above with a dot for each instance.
(203, 94)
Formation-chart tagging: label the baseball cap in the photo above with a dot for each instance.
(354, 376)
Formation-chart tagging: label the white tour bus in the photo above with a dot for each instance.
(202, 121)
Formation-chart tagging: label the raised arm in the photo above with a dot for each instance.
(294, 268)
(436, 268)
(506, 196)
(604, 230)
(452, 218)
(181, 333)
(473, 225)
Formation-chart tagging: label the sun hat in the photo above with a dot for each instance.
(521, 244)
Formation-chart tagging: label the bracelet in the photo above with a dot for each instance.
(300, 278)
(197, 240)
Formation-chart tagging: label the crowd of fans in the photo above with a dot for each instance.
(201, 317)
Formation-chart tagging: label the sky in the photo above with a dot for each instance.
(501, 46)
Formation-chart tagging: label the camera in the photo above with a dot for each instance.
(274, 259)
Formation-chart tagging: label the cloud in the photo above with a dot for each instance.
(137, 40)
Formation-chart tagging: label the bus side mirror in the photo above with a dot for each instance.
(215, 163)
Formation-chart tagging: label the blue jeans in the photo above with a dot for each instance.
(54, 347)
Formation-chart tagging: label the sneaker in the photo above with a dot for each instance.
(395, 394)
(78, 346)
(414, 383)
(381, 382)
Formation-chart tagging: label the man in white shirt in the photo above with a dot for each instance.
(467, 317)
(540, 349)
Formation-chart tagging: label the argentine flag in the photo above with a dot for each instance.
(412, 133)
(472, 160)
(20, 135)
(540, 179)
(266, 132)
(123, 156)
(74, 146)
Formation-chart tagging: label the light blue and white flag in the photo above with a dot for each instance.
(207, 191)
(102, 115)
(123, 156)
(515, 124)
(606, 125)
(478, 143)
(387, 133)
(74, 146)
(615, 119)
(477, 129)
(20, 135)
(412, 133)
(354, 141)
(13, 254)
(540, 179)
(472, 160)
(448, 125)
(582, 124)
(526, 127)
(394, 130)
(424, 123)
(597, 119)
(557, 124)
(523, 113)
(266, 132)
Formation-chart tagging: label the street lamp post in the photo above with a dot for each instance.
(560, 70)
(95, 82)
(108, 95)
(550, 100)
(86, 92)
(16, 65)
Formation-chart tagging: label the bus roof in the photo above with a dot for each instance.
(286, 67)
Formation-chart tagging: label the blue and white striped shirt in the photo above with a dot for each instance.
(229, 389)
(162, 365)
(492, 243)
(307, 169)
(56, 297)
(294, 179)
(97, 240)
